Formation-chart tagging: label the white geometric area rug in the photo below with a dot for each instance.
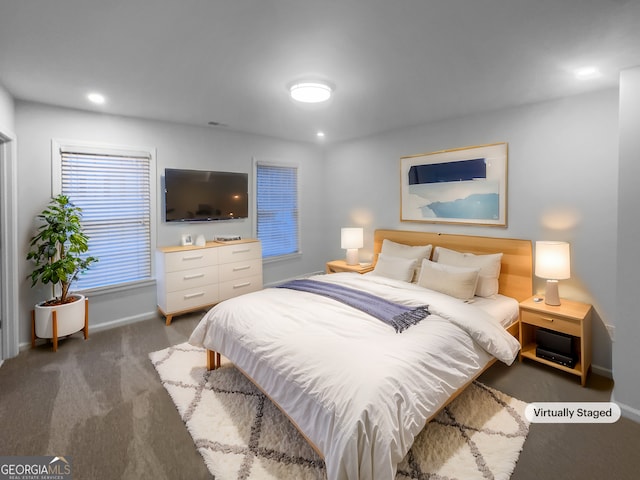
(242, 435)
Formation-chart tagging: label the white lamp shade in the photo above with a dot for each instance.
(553, 260)
(352, 238)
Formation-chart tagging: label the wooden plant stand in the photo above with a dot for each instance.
(54, 326)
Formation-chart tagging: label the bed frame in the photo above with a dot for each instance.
(516, 280)
(516, 270)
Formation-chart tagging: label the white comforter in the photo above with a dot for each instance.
(358, 390)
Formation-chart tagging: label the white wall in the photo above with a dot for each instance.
(176, 146)
(563, 176)
(625, 357)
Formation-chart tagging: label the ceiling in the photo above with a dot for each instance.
(393, 63)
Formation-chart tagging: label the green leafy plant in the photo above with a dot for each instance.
(57, 248)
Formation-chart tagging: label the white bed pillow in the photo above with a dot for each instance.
(459, 282)
(489, 266)
(400, 250)
(397, 268)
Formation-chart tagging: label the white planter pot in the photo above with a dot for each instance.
(70, 318)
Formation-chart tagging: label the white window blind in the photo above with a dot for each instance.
(277, 209)
(114, 193)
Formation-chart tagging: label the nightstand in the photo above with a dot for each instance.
(571, 318)
(335, 266)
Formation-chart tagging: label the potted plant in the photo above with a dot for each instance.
(57, 250)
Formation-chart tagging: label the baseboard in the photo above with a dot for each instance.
(602, 371)
(109, 325)
(628, 412)
(123, 321)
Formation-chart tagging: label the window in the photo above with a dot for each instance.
(277, 209)
(114, 189)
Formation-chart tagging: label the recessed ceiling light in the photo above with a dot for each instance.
(96, 98)
(587, 73)
(310, 92)
(320, 134)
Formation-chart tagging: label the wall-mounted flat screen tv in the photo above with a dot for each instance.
(203, 196)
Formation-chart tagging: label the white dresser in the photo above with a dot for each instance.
(193, 278)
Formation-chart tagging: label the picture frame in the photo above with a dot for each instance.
(466, 186)
(186, 240)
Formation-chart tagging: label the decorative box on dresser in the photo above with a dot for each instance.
(193, 278)
(570, 318)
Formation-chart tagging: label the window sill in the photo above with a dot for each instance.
(282, 258)
(121, 287)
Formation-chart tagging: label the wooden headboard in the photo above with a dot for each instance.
(516, 271)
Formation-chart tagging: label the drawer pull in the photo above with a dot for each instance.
(193, 257)
(547, 319)
(195, 275)
(241, 251)
(193, 295)
(244, 267)
(240, 285)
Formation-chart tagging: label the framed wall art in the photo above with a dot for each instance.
(463, 185)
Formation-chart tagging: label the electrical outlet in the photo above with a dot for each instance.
(612, 330)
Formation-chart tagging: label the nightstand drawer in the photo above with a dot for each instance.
(554, 322)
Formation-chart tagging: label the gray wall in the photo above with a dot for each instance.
(563, 176)
(625, 358)
(176, 146)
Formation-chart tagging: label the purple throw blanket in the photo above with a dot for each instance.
(398, 316)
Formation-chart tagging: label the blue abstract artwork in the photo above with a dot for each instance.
(441, 188)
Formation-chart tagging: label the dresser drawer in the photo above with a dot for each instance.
(176, 261)
(554, 322)
(236, 270)
(196, 277)
(192, 298)
(240, 286)
(240, 252)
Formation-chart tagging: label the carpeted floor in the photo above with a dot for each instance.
(100, 402)
(241, 434)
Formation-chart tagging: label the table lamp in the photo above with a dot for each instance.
(352, 239)
(553, 262)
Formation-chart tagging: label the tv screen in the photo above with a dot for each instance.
(201, 196)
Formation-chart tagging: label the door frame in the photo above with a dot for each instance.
(9, 280)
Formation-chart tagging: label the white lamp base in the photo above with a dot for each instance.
(551, 295)
(352, 256)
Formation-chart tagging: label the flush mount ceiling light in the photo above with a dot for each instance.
(587, 73)
(96, 98)
(310, 92)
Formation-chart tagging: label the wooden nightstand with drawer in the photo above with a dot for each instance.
(569, 318)
(335, 266)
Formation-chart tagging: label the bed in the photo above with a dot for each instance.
(358, 390)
